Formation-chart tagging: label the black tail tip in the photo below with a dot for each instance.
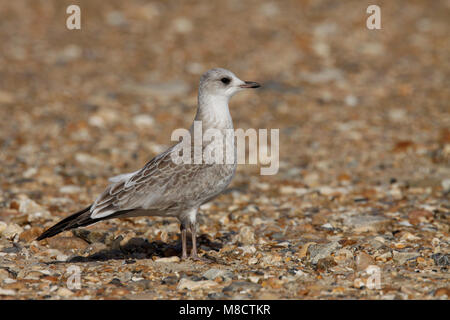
(41, 237)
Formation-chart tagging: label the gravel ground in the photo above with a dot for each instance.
(358, 210)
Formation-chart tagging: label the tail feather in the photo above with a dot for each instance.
(80, 219)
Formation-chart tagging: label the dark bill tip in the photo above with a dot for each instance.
(250, 84)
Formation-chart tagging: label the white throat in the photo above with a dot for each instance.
(213, 111)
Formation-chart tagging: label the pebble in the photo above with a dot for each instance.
(93, 236)
(321, 251)
(363, 260)
(441, 259)
(195, 285)
(246, 236)
(242, 286)
(64, 292)
(7, 292)
(31, 208)
(322, 76)
(182, 25)
(70, 189)
(11, 231)
(367, 223)
(6, 97)
(445, 185)
(30, 234)
(402, 257)
(417, 216)
(442, 292)
(115, 18)
(3, 226)
(168, 259)
(89, 160)
(213, 273)
(65, 243)
(351, 100)
(143, 121)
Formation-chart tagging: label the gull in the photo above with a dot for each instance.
(164, 187)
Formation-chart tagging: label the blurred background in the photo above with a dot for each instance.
(364, 122)
(353, 105)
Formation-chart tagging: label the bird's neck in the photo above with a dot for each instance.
(213, 112)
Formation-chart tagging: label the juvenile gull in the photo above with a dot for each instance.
(163, 187)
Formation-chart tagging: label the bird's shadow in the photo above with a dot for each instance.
(140, 248)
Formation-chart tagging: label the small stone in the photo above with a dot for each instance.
(30, 172)
(343, 257)
(62, 257)
(351, 100)
(363, 260)
(4, 274)
(304, 250)
(30, 234)
(143, 121)
(89, 160)
(7, 292)
(312, 179)
(326, 263)
(246, 236)
(321, 251)
(14, 249)
(322, 76)
(64, 292)
(32, 209)
(195, 285)
(3, 226)
(168, 259)
(402, 257)
(442, 292)
(95, 248)
(269, 9)
(409, 236)
(417, 216)
(213, 273)
(182, 25)
(6, 97)
(115, 18)
(65, 243)
(441, 259)
(327, 226)
(367, 223)
(358, 283)
(445, 185)
(94, 236)
(11, 231)
(384, 257)
(70, 189)
(292, 190)
(242, 286)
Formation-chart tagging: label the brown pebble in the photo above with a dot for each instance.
(363, 260)
(442, 291)
(65, 243)
(30, 234)
(417, 216)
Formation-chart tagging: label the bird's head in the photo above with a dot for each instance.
(224, 83)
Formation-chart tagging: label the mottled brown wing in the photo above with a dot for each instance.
(159, 185)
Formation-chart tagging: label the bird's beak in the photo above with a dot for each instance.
(250, 84)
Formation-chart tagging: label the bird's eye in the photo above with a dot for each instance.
(225, 80)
